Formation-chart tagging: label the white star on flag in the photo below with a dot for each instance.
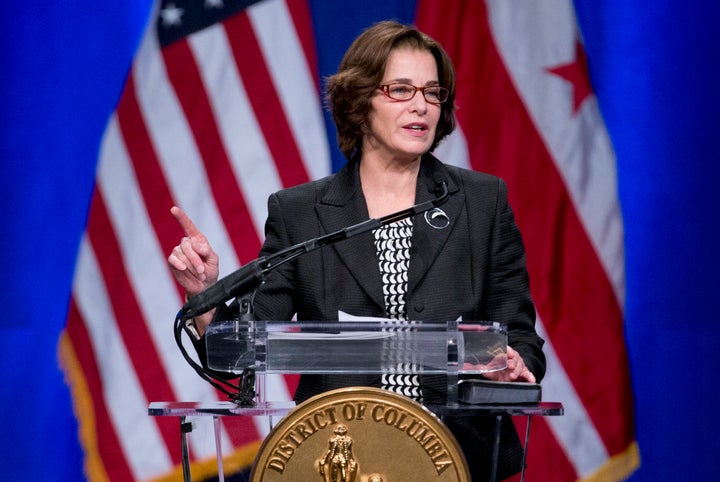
(171, 15)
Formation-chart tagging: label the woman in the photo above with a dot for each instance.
(393, 102)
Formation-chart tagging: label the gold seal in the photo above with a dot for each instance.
(360, 434)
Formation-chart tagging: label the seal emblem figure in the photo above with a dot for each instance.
(338, 463)
(360, 434)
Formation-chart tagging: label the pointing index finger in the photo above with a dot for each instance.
(185, 222)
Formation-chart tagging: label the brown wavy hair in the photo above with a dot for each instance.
(348, 92)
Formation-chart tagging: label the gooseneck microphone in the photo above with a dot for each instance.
(253, 274)
(238, 282)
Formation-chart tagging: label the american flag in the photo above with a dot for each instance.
(222, 107)
(214, 116)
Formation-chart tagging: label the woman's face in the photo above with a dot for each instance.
(404, 130)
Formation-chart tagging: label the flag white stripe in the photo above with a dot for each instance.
(591, 182)
(599, 204)
(574, 431)
(138, 435)
(293, 82)
(247, 149)
(177, 152)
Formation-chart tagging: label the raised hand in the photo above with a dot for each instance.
(193, 262)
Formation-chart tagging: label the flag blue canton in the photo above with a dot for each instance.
(179, 18)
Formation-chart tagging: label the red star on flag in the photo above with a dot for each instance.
(576, 72)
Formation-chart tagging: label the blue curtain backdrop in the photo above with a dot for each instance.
(655, 69)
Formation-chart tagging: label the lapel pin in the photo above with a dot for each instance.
(437, 218)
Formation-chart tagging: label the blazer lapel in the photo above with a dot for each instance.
(343, 205)
(428, 241)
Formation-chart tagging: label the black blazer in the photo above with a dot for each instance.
(474, 268)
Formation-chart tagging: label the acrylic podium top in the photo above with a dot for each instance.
(358, 346)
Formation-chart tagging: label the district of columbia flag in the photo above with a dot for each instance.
(527, 113)
(221, 108)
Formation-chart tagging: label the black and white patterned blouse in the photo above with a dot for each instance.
(392, 244)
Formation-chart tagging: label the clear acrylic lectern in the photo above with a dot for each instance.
(368, 346)
(457, 349)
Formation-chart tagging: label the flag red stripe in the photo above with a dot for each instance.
(570, 288)
(186, 80)
(585, 314)
(127, 313)
(265, 101)
(151, 180)
(302, 20)
(108, 445)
